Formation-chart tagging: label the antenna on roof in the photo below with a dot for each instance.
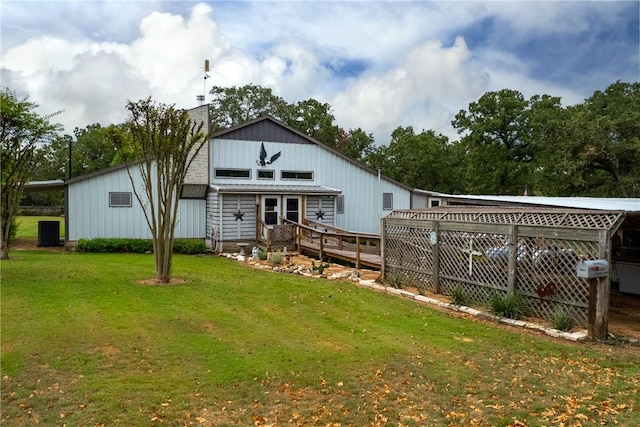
(201, 98)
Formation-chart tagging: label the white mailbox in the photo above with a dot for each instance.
(592, 269)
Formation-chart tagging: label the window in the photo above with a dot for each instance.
(297, 175)
(233, 173)
(120, 200)
(340, 204)
(434, 203)
(265, 174)
(271, 210)
(387, 201)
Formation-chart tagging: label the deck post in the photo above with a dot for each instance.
(358, 252)
(321, 246)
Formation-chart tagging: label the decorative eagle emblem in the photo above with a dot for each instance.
(263, 157)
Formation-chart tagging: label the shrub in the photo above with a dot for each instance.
(459, 296)
(510, 305)
(262, 254)
(397, 280)
(562, 320)
(189, 246)
(180, 246)
(276, 258)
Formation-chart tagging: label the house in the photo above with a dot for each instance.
(250, 176)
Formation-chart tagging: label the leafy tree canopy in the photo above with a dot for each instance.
(22, 130)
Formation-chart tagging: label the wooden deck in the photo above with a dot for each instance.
(323, 241)
(362, 249)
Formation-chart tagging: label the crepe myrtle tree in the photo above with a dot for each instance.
(22, 133)
(161, 142)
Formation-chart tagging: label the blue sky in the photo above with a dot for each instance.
(379, 64)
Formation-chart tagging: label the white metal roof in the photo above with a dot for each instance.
(609, 204)
(274, 189)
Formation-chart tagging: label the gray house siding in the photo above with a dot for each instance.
(90, 215)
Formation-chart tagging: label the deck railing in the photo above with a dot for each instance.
(327, 239)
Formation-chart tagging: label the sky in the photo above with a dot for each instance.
(379, 64)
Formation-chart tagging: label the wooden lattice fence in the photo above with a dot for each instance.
(484, 251)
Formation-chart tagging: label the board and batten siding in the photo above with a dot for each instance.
(239, 229)
(326, 204)
(362, 189)
(90, 215)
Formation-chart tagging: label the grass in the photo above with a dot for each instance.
(84, 344)
(28, 225)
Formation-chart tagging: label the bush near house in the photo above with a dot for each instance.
(180, 246)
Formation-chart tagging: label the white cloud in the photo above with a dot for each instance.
(425, 91)
(379, 64)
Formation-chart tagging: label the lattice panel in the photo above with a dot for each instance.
(478, 262)
(475, 257)
(590, 220)
(409, 256)
(547, 269)
(544, 219)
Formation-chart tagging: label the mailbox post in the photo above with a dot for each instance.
(597, 273)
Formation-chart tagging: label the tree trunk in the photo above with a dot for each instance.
(4, 249)
(162, 251)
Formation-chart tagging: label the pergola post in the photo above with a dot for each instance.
(435, 272)
(513, 258)
(599, 294)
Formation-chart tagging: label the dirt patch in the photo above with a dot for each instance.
(156, 282)
(31, 243)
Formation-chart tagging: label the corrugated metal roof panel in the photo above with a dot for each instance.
(275, 189)
(597, 203)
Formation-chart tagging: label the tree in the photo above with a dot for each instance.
(421, 160)
(315, 119)
(355, 143)
(22, 130)
(605, 143)
(232, 106)
(497, 139)
(166, 141)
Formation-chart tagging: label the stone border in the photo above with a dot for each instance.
(353, 277)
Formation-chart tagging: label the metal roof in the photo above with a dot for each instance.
(54, 184)
(275, 189)
(597, 203)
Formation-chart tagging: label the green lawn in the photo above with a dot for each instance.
(84, 344)
(28, 225)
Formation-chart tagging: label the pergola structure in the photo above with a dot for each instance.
(482, 251)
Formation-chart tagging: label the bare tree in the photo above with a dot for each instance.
(165, 141)
(22, 130)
